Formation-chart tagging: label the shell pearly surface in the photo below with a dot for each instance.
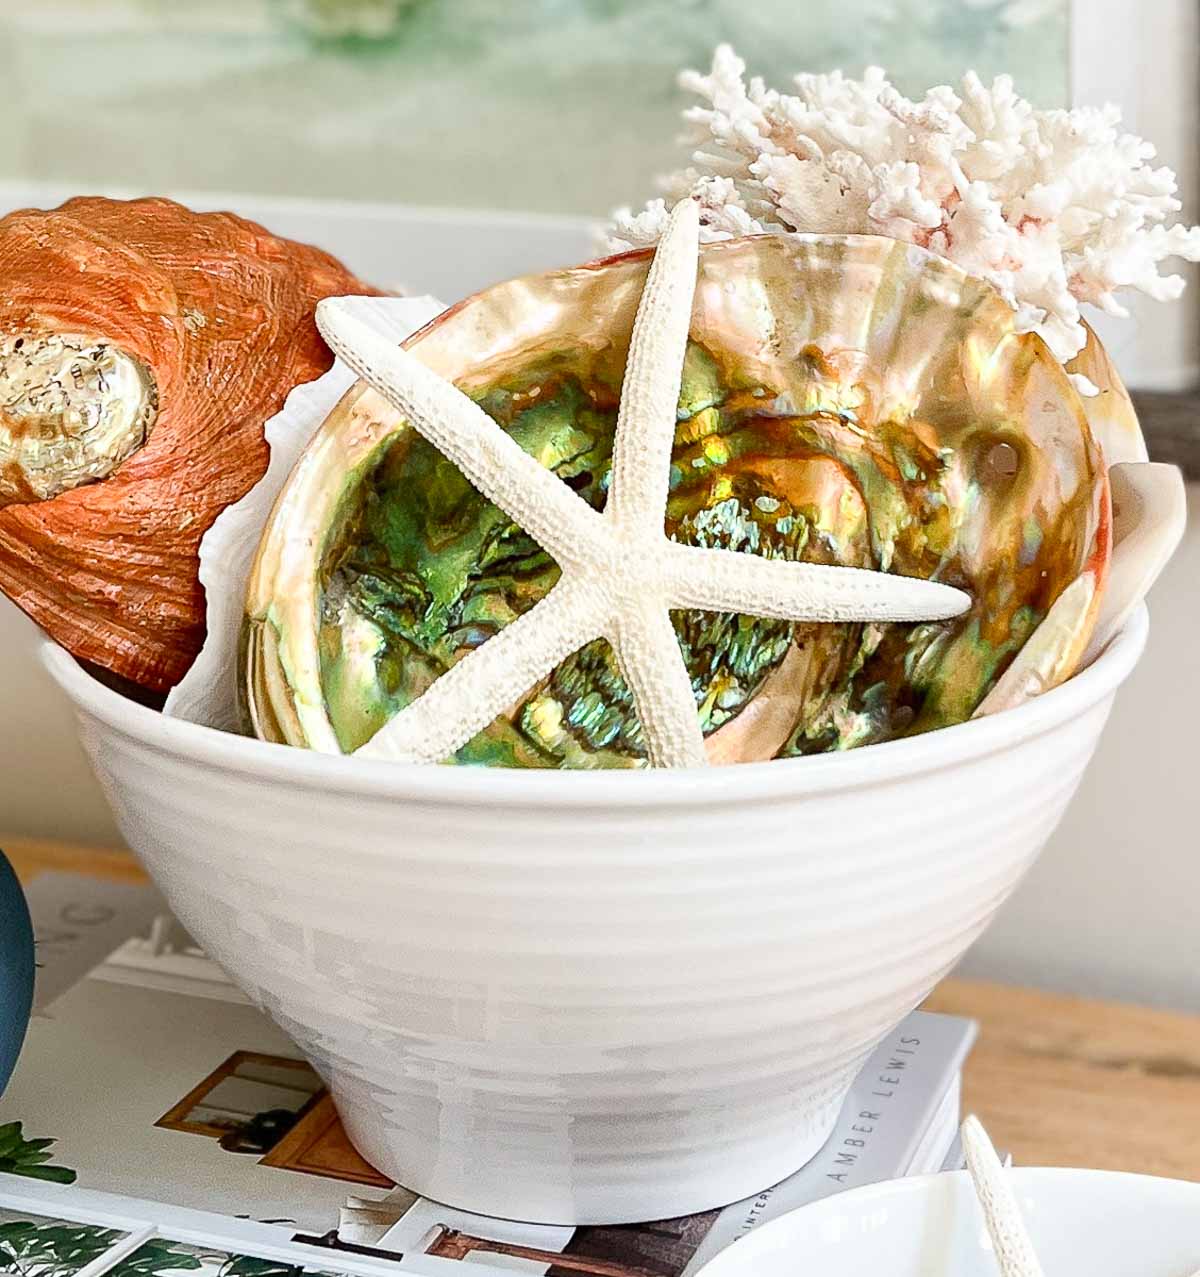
(621, 575)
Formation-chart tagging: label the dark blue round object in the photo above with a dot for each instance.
(16, 969)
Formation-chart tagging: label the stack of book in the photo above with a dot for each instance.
(153, 1106)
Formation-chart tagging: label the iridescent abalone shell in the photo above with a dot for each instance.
(1110, 412)
(845, 400)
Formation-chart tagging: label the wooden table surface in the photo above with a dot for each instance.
(1058, 1081)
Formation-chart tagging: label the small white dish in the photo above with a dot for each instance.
(1102, 1223)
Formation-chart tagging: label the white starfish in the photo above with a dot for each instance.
(620, 572)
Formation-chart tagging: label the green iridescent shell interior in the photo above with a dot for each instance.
(970, 476)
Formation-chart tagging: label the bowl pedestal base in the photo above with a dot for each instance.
(627, 1188)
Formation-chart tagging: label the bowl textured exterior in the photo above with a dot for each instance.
(1103, 1223)
(591, 997)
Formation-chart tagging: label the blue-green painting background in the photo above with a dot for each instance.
(553, 105)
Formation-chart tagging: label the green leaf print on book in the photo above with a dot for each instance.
(31, 1158)
(36, 1247)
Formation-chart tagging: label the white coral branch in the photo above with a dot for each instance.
(1055, 208)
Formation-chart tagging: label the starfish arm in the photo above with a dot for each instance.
(1015, 1256)
(493, 462)
(654, 670)
(469, 695)
(727, 581)
(641, 467)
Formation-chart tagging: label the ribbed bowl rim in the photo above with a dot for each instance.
(777, 780)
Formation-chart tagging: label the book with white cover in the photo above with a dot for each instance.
(147, 1074)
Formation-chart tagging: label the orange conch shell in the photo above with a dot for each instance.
(142, 348)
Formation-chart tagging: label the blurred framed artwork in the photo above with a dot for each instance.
(446, 102)
(561, 107)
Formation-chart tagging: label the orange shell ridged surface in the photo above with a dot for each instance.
(219, 312)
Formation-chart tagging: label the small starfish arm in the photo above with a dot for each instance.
(492, 461)
(1015, 1256)
(721, 581)
(646, 418)
(654, 670)
(490, 678)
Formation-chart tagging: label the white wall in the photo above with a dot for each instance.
(46, 786)
(1143, 55)
(1112, 908)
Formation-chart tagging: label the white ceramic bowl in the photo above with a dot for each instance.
(581, 996)
(1098, 1223)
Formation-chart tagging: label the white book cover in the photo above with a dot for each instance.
(151, 1076)
(147, 1074)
